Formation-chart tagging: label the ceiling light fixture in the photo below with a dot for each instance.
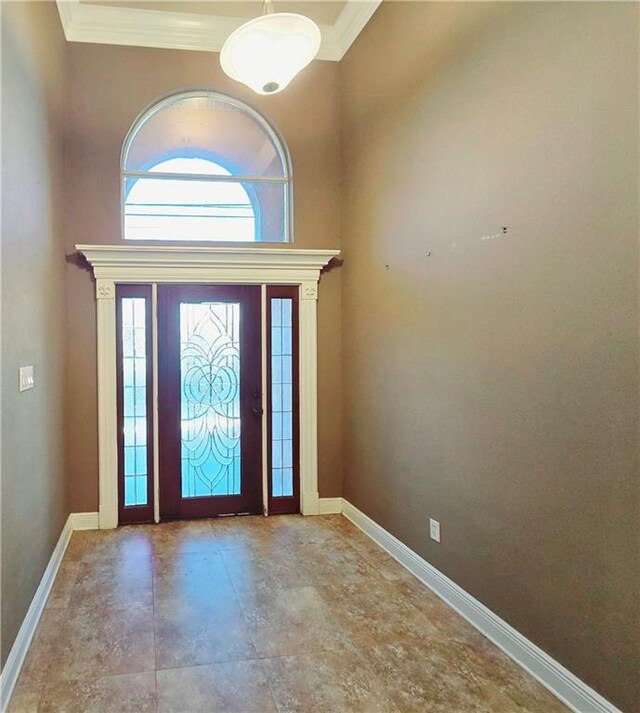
(267, 52)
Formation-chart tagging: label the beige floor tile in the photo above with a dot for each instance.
(121, 582)
(254, 593)
(298, 530)
(197, 616)
(435, 677)
(376, 613)
(376, 557)
(326, 682)
(234, 612)
(293, 621)
(66, 577)
(346, 539)
(525, 692)
(235, 687)
(104, 641)
(439, 614)
(182, 537)
(120, 544)
(25, 699)
(190, 574)
(254, 569)
(42, 652)
(191, 631)
(341, 563)
(252, 533)
(130, 693)
(81, 542)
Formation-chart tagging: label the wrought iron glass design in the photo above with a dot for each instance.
(134, 401)
(281, 397)
(210, 398)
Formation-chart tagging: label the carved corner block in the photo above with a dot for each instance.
(105, 290)
(309, 291)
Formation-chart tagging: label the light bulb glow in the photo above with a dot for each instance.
(267, 52)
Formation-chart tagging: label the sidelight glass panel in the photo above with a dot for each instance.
(281, 397)
(134, 402)
(210, 398)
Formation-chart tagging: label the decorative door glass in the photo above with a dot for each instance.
(283, 429)
(210, 399)
(134, 400)
(281, 397)
(134, 403)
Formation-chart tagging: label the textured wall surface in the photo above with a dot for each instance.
(494, 385)
(33, 302)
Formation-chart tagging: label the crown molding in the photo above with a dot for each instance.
(350, 24)
(116, 25)
(233, 265)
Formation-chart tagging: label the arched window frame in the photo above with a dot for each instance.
(247, 181)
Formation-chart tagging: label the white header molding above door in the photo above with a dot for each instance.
(121, 264)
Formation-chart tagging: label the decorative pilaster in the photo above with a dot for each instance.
(107, 409)
(308, 348)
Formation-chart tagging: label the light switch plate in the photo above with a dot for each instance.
(26, 380)
(434, 529)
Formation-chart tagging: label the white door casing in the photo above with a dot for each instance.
(122, 264)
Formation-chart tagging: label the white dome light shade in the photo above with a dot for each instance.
(266, 53)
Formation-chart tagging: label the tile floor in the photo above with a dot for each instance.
(256, 614)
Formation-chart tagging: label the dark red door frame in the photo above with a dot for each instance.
(172, 504)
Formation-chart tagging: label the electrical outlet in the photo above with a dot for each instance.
(434, 528)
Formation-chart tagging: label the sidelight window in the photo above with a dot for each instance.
(283, 448)
(134, 402)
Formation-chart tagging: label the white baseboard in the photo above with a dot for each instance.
(18, 652)
(15, 660)
(329, 506)
(84, 521)
(573, 692)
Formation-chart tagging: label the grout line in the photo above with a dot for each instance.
(271, 693)
(153, 616)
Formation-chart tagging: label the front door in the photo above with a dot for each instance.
(209, 400)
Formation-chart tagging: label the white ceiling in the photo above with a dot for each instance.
(204, 24)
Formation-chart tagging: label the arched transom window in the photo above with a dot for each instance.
(201, 166)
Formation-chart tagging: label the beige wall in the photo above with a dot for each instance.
(33, 302)
(494, 384)
(109, 86)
